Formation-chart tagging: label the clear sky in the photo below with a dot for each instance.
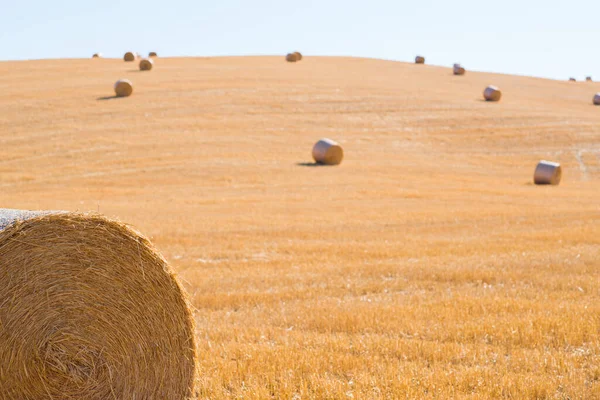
(530, 37)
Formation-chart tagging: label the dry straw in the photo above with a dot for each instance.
(129, 56)
(90, 310)
(291, 57)
(123, 88)
(492, 93)
(458, 69)
(152, 54)
(419, 60)
(597, 99)
(547, 173)
(146, 64)
(328, 152)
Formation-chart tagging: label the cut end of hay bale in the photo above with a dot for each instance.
(298, 55)
(97, 55)
(547, 173)
(597, 99)
(492, 93)
(130, 56)
(327, 152)
(419, 60)
(146, 64)
(90, 310)
(458, 69)
(152, 54)
(123, 88)
(291, 57)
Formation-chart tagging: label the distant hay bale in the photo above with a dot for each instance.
(298, 55)
(146, 64)
(291, 57)
(89, 310)
(97, 55)
(547, 173)
(123, 88)
(588, 78)
(129, 56)
(492, 93)
(597, 99)
(152, 54)
(572, 79)
(328, 152)
(458, 69)
(419, 60)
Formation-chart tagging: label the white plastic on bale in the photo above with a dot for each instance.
(419, 60)
(492, 93)
(328, 152)
(547, 173)
(597, 99)
(458, 69)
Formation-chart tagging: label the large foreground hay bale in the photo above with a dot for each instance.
(152, 54)
(97, 55)
(458, 69)
(492, 93)
(291, 57)
(298, 55)
(129, 56)
(146, 64)
(123, 88)
(547, 173)
(419, 60)
(597, 99)
(328, 152)
(89, 310)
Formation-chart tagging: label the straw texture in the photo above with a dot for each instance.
(129, 56)
(89, 310)
(146, 64)
(298, 55)
(597, 99)
(123, 88)
(419, 60)
(547, 173)
(492, 93)
(328, 152)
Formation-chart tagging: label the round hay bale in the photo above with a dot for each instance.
(298, 55)
(123, 88)
(547, 173)
(572, 80)
(152, 54)
(597, 99)
(129, 56)
(458, 69)
(89, 310)
(588, 78)
(328, 152)
(97, 55)
(146, 64)
(492, 93)
(291, 57)
(419, 60)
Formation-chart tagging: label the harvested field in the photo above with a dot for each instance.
(426, 265)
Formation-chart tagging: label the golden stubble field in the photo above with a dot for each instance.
(427, 265)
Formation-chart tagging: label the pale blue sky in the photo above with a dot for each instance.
(539, 38)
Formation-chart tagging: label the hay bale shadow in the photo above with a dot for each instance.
(312, 164)
(107, 98)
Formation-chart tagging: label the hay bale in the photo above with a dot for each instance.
(90, 310)
(298, 55)
(146, 64)
(492, 93)
(328, 152)
(588, 78)
(291, 57)
(419, 60)
(97, 55)
(597, 99)
(152, 54)
(123, 88)
(458, 69)
(547, 173)
(130, 56)
(572, 79)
